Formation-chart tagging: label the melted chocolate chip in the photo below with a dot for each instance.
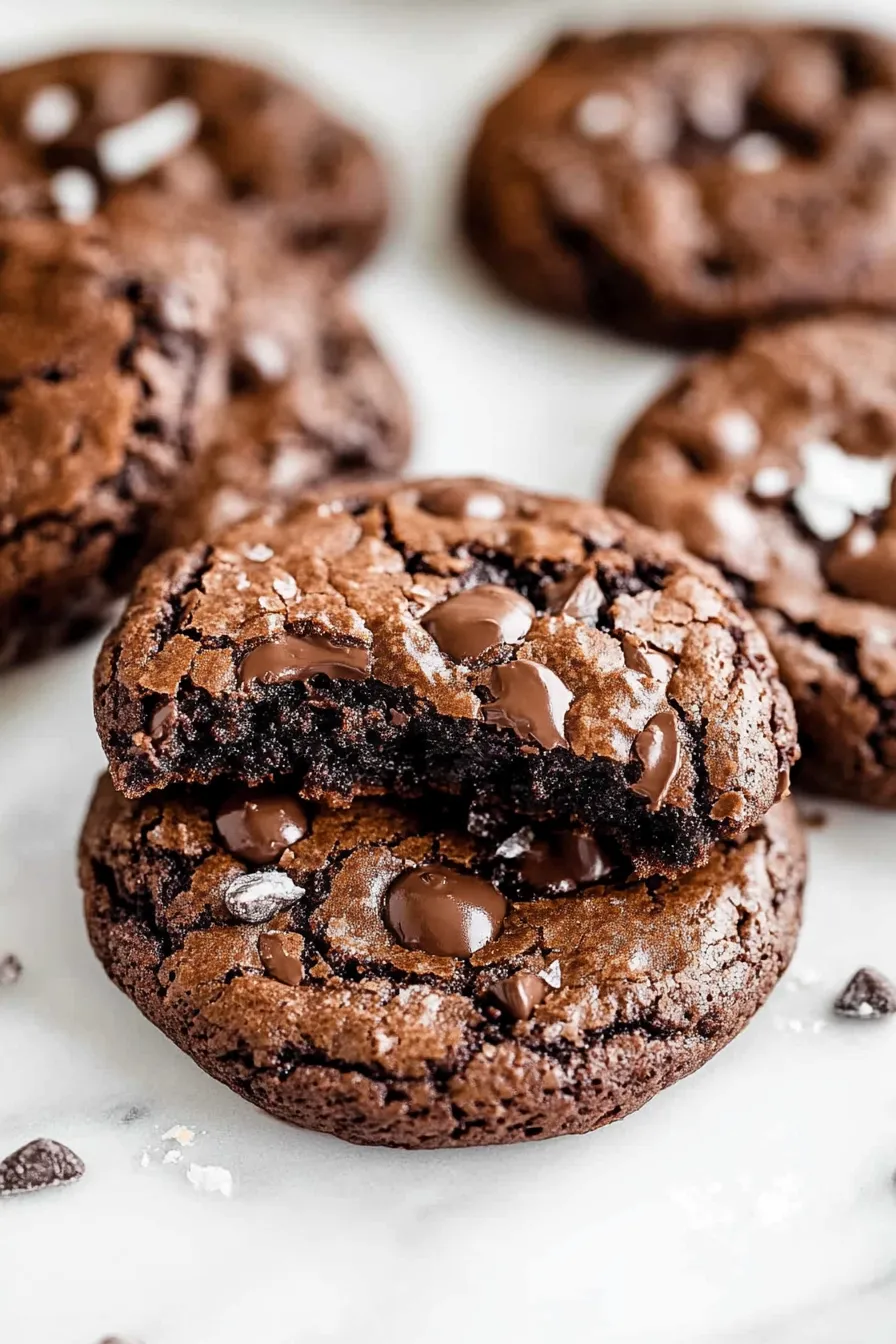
(259, 826)
(465, 625)
(564, 861)
(530, 699)
(278, 962)
(298, 658)
(577, 594)
(450, 500)
(520, 994)
(659, 751)
(444, 912)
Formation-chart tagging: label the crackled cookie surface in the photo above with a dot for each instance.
(311, 400)
(525, 653)
(106, 366)
(678, 184)
(778, 462)
(380, 975)
(195, 139)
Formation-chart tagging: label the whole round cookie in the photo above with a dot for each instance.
(108, 366)
(778, 462)
(379, 975)
(199, 139)
(529, 654)
(311, 400)
(678, 184)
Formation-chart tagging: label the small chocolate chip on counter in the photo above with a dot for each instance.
(447, 913)
(465, 625)
(10, 969)
(520, 994)
(869, 994)
(298, 658)
(39, 1165)
(259, 826)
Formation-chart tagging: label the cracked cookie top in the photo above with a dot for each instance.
(462, 629)
(200, 137)
(778, 462)
(105, 369)
(311, 398)
(526, 959)
(682, 183)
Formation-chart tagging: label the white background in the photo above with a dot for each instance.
(752, 1203)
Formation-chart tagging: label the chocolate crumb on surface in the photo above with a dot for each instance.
(39, 1165)
(869, 994)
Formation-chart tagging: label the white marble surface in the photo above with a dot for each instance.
(753, 1202)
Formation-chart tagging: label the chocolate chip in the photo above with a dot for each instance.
(38, 1166)
(256, 897)
(577, 594)
(868, 995)
(649, 662)
(520, 994)
(10, 969)
(564, 861)
(447, 913)
(659, 751)
(259, 826)
(450, 500)
(278, 961)
(298, 658)
(162, 720)
(530, 699)
(465, 625)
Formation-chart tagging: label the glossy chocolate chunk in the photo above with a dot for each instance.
(443, 911)
(659, 751)
(520, 994)
(298, 658)
(465, 625)
(530, 699)
(563, 861)
(258, 826)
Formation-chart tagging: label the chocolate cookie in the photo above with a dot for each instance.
(778, 462)
(378, 974)
(106, 364)
(536, 655)
(200, 138)
(679, 184)
(311, 399)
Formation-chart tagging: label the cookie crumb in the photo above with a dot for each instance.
(181, 1134)
(10, 969)
(39, 1165)
(814, 817)
(869, 994)
(210, 1180)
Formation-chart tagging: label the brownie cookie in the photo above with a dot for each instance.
(678, 184)
(106, 367)
(203, 138)
(380, 975)
(311, 399)
(778, 462)
(529, 654)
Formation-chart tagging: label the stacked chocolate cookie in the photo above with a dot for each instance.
(442, 813)
(174, 349)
